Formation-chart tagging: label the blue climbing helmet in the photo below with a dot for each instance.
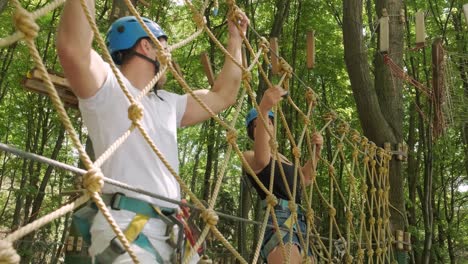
(126, 31)
(253, 114)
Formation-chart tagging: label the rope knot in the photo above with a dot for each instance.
(343, 128)
(273, 144)
(8, 253)
(378, 251)
(247, 76)
(332, 211)
(355, 136)
(379, 221)
(210, 217)
(355, 153)
(329, 116)
(372, 220)
(310, 96)
(370, 252)
(199, 20)
(349, 216)
(360, 253)
(93, 180)
(364, 141)
(365, 160)
(310, 216)
(292, 207)
(285, 67)
(165, 58)
(264, 44)
(271, 200)
(364, 188)
(25, 23)
(340, 146)
(362, 217)
(296, 152)
(235, 14)
(231, 136)
(135, 112)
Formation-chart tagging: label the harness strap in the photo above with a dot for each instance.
(134, 235)
(144, 211)
(118, 201)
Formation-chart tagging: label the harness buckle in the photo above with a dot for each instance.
(115, 201)
(116, 246)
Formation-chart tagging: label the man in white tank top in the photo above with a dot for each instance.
(104, 109)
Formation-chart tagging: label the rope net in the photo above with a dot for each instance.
(351, 203)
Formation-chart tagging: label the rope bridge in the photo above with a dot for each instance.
(361, 186)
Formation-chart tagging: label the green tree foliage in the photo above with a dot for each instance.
(30, 189)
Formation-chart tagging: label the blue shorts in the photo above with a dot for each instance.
(283, 215)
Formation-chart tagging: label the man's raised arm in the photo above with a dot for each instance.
(83, 67)
(227, 84)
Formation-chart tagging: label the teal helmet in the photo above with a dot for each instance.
(254, 114)
(126, 31)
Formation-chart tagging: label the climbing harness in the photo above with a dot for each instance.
(284, 227)
(83, 217)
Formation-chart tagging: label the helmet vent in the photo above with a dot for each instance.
(121, 29)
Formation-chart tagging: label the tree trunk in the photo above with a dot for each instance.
(379, 103)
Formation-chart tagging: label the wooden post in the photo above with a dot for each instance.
(79, 244)
(70, 243)
(207, 67)
(438, 91)
(388, 146)
(274, 55)
(405, 151)
(384, 32)
(310, 49)
(400, 151)
(420, 29)
(399, 239)
(407, 237)
(465, 10)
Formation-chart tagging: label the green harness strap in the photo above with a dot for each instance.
(82, 220)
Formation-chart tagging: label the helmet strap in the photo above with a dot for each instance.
(154, 62)
(156, 68)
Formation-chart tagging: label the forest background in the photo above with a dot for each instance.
(429, 190)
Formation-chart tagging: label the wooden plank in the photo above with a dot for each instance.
(407, 238)
(274, 55)
(384, 34)
(38, 86)
(310, 49)
(54, 77)
(70, 243)
(207, 67)
(420, 28)
(465, 10)
(399, 239)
